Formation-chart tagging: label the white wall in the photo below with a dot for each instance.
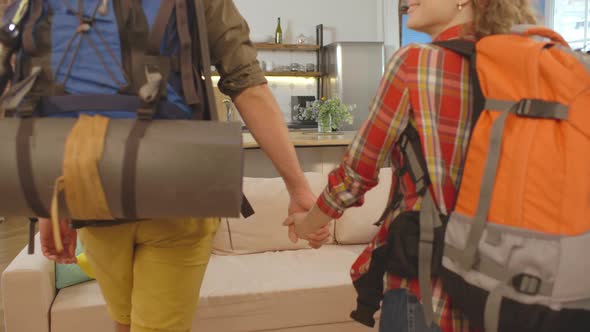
(390, 27)
(343, 20)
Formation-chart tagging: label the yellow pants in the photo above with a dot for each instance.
(150, 272)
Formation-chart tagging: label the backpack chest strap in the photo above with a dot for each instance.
(144, 50)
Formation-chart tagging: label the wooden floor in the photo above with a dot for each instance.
(13, 237)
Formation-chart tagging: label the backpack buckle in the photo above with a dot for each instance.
(527, 284)
(524, 107)
(27, 108)
(146, 112)
(87, 20)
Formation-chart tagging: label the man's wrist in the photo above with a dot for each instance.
(297, 185)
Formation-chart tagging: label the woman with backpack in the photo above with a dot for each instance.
(428, 88)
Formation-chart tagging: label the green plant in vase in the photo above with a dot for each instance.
(330, 114)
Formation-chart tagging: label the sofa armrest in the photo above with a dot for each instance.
(28, 290)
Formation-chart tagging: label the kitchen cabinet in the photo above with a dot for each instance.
(316, 153)
(312, 159)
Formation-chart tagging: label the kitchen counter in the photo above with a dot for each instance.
(308, 138)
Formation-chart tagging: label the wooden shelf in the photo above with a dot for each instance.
(286, 47)
(293, 73)
(285, 73)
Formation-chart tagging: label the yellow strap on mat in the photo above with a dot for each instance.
(84, 194)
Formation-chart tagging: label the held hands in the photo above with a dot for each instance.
(301, 202)
(69, 238)
(301, 228)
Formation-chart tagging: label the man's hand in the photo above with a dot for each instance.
(68, 236)
(300, 227)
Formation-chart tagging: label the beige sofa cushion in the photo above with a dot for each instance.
(28, 290)
(80, 308)
(278, 290)
(264, 230)
(356, 224)
(302, 290)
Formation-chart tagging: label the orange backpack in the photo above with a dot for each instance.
(515, 244)
(511, 253)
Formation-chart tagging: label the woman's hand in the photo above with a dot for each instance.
(69, 239)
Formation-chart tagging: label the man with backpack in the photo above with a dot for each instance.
(110, 52)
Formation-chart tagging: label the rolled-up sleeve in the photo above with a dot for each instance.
(232, 51)
(359, 170)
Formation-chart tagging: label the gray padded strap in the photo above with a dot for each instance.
(490, 268)
(485, 195)
(535, 108)
(519, 29)
(429, 219)
(491, 315)
(412, 150)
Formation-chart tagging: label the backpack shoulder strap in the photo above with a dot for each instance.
(413, 163)
(35, 11)
(372, 283)
(202, 68)
(468, 50)
(461, 46)
(203, 63)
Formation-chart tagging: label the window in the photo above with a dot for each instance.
(572, 20)
(408, 36)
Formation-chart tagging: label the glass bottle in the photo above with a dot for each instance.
(279, 33)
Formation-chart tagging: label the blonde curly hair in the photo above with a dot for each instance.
(498, 16)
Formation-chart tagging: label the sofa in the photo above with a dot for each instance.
(257, 280)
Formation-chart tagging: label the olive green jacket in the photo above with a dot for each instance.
(232, 51)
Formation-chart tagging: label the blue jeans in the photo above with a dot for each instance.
(402, 312)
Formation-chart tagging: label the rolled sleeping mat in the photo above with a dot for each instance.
(184, 168)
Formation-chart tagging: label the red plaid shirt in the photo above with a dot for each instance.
(429, 87)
